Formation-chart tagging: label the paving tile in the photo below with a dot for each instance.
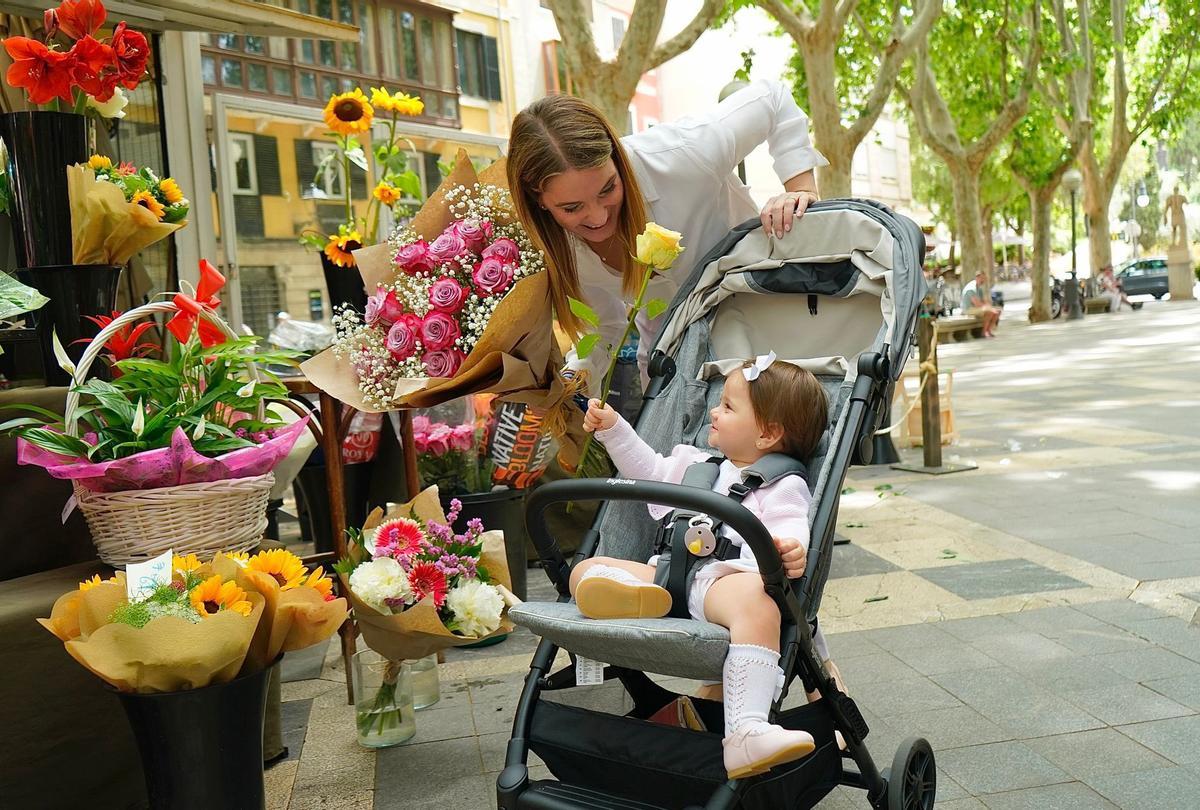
(1069, 796)
(962, 804)
(1110, 639)
(910, 636)
(1150, 664)
(1160, 789)
(1015, 703)
(938, 658)
(887, 698)
(1066, 675)
(1021, 649)
(474, 792)
(1177, 739)
(999, 766)
(437, 724)
(1129, 703)
(1171, 633)
(979, 627)
(1100, 752)
(1185, 690)
(987, 580)
(949, 728)
(874, 668)
(1055, 621)
(852, 560)
(293, 723)
(421, 769)
(851, 644)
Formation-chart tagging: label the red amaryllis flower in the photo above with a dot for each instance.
(132, 51)
(43, 73)
(124, 343)
(398, 537)
(80, 18)
(426, 579)
(95, 70)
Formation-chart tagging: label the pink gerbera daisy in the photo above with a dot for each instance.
(426, 579)
(397, 538)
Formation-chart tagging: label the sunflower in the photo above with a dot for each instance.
(408, 105)
(170, 191)
(186, 565)
(340, 246)
(239, 557)
(99, 162)
(381, 99)
(283, 565)
(349, 113)
(320, 583)
(88, 584)
(147, 201)
(212, 596)
(386, 193)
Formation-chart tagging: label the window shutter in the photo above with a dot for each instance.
(358, 183)
(433, 176)
(306, 167)
(249, 212)
(266, 161)
(491, 69)
(461, 45)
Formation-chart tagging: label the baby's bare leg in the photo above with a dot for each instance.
(640, 570)
(738, 601)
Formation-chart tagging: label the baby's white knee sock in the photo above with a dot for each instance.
(752, 678)
(611, 572)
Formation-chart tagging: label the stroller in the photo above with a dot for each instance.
(838, 295)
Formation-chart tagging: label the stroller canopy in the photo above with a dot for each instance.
(857, 261)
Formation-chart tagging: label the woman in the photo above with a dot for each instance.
(584, 194)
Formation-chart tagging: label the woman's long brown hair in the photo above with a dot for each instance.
(551, 135)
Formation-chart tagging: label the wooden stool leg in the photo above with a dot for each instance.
(331, 439)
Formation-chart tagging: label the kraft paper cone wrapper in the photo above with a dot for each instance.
(169, 653)
(106, 228)
(418, 631)
(516, 357)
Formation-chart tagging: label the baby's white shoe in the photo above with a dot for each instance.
(757, 747)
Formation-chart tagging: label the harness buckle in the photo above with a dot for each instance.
(738, 491)
(700, 539)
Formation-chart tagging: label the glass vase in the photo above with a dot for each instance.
(424, 676)
(383, 700)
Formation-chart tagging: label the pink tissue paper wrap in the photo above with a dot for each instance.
(166, 466)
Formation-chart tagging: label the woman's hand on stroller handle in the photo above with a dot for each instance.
(599, 416)
(793, 554)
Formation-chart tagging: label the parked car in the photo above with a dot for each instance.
(1146, 276)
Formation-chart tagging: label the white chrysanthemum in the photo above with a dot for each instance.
(476, 607)
(378, 580)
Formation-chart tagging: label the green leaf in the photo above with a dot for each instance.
(357, 157)
(875, 599)
(655, 307)
(51, 415)
(584, 313)
(60, 354)
(409, 183)
(586, 345)
(22, 422)
(56, 442)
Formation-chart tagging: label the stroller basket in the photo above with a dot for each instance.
(676, 767)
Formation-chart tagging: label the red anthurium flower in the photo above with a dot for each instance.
(80, 18)
(132, 50)
(95, 68)
(43, 73)
(124, 343)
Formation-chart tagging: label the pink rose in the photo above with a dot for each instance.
(421, 424)
(439, 439)
(439, 331)
(462, 437)
(492, 276)
(505, 250)
(402, 339)
(421, 442)
(414, 258)
(442, 362)
(475, 233)
(447, 295)
(383, 308)
(447, 247)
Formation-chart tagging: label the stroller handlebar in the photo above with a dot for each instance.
(736, 516)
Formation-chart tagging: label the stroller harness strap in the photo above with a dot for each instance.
(688, 539)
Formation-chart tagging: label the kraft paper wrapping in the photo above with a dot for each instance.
(106, 228)
(418, 631)
(516, 357)
(166, 655)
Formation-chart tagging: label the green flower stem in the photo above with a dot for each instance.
(614, 352)
(385, 698)
(346, 180)
(80, 102)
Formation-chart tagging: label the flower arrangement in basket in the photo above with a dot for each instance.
(118, 211)
(349, 116)
(459, 306)
(174, 452)
(418, 587)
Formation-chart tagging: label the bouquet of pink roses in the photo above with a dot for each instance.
(452, 458)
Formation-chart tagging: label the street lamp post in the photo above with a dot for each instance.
(1072, 181)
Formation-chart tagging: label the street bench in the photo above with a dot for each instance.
(1091, 306)
(959, 327)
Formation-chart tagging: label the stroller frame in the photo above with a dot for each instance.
(798, 657)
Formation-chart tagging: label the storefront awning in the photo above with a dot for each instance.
(218, 16)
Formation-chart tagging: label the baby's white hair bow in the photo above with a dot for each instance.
(761, 364)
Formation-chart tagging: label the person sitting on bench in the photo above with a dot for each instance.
(973, 303)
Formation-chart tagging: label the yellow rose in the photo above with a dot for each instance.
(658, 247)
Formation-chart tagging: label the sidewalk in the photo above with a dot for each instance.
(1030, 618)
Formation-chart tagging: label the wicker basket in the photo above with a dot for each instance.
(201, 519)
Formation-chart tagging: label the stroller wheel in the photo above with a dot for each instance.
(912, 779)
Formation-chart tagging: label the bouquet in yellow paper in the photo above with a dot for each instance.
(118, 211)
(197, 624)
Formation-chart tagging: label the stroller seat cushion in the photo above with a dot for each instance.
(679, 647)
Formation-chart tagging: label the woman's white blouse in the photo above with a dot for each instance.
(686, 171)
